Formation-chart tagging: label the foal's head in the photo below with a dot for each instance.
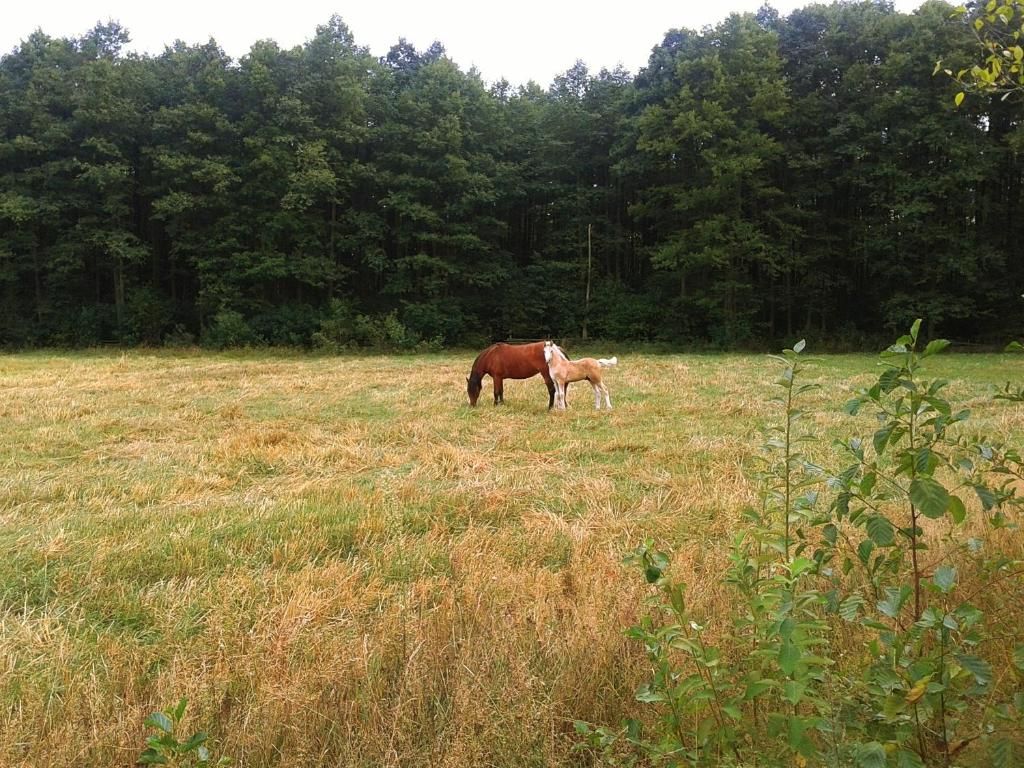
(550, 351)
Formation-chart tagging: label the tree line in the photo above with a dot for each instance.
(769, 176)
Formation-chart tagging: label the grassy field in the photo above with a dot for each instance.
(339, 562)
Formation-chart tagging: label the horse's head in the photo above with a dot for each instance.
(549, 351)
(553, 352)
(473, 387)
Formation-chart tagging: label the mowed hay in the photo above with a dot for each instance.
(338, 562)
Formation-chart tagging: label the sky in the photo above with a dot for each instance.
(520, 41)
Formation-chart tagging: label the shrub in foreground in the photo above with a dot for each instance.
(854, 640)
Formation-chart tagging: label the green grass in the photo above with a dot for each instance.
(338, 561)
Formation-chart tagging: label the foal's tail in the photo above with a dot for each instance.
(605, 362)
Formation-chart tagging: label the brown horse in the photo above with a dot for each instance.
(508, 361)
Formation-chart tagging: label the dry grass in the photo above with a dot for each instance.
(338, 562)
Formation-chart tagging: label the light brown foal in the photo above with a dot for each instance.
(565, 371)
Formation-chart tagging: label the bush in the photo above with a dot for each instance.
(844, 553)
(337, 327)
(147, 316)
(433, 322)
(229, 329)
(618, 314)
(287, 325)
(164, 747)
(342, 329)
(179, 336)
(94, 324)
(385, 332)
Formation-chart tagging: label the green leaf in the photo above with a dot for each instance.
(935, 345)
(925, 461)
(880, 531)
(894, 600)
(705, 728)
(915, 329)
(870, 755)
(789, 656)
(179, 710)
(152, 757)
(797, 727)
(888, 381)
(830, 533)
(1018, 657)
(799, 565)
(986, 496)
(940, 405)
(945, 578)
(677, 598)
(980, 668)
(850, 606)
(881, 439)
(800, 346)
(864, 550)
(756, 688)
(1001, 750)
(647, 696)
(907, 758)
(894, 706)
(160, 721)
(793, 691)
(929, 497)
(957, 510)
(197, 739)
(733, 712)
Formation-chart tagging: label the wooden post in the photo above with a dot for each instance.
(586, 301)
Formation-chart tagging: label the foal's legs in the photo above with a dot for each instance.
(560, 401)
(600, 388)
(553, 389)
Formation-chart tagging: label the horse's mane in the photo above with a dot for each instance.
(480, 358)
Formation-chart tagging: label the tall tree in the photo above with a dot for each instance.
(434, 157)
(194, 177)
(711, 154)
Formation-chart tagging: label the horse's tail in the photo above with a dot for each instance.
(606, 362)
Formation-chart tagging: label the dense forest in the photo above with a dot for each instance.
(766, 177)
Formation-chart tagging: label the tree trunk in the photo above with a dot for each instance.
(119, 294)
(38, 282)
(334, 260)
